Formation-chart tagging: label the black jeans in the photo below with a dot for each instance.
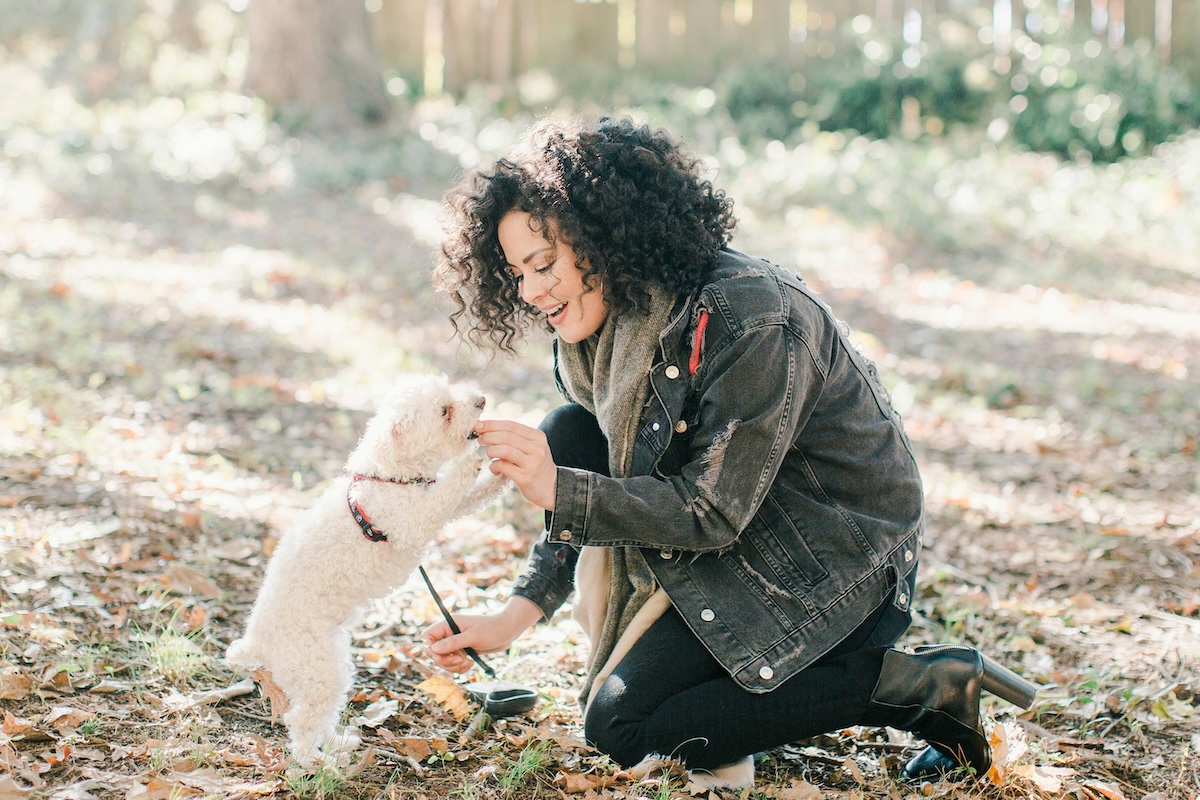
(671, 697)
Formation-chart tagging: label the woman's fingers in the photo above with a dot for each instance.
(484, 633)
(521, 454)
(448, 648)
(522, 439)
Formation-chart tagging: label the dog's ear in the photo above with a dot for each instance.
(397, 431)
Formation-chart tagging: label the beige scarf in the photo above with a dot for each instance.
(609, 374)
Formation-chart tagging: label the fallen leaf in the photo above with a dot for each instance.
(448, 694)
(274, 695)
(854, 771)
(411, 746)
(64, 717)
(998, 739)
(11, 790)
(195, 617)
(1047, 779)
(1108, 790)
(19, 727)
(798, 789)
(56, 757)
(57, 677)
(376, 714)
(577, 782)
(209, 781)
(160, 788)
(185, 580)
(15, 684)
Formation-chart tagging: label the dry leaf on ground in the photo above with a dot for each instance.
(448, 694)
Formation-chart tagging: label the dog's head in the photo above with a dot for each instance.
(423, 423)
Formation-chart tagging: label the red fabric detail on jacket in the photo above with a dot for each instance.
(698, 342)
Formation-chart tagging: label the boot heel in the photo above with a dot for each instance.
(1003, 682)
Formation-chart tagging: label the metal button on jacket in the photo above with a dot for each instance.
(766, 673)
(707, 615)
(672, 372)
(565, 536)
(680, 427)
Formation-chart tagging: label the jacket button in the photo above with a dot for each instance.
(766, 673)
(707, 615)
(565, 536)
(680, 426)
(903, 598)
(655, 426)
(672, 372)
(908, 555)
(667, 554)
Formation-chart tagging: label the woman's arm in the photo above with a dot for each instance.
(756, 391)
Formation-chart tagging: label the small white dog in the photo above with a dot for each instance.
(362, 539)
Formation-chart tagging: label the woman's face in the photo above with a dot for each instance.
(550, 280)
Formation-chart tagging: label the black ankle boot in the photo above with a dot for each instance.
(934, 693)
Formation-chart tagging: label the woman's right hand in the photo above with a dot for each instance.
(521, 454)
(484, 633)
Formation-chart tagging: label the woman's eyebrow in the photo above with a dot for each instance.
(527, 258)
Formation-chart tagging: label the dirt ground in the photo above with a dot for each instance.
(197, 313)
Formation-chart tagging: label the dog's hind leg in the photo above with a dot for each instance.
(318, 695)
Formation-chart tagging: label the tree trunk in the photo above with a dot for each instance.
(316, 57)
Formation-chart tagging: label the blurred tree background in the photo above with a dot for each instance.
(1105, 78)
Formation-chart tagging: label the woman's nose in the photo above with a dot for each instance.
(531, 289)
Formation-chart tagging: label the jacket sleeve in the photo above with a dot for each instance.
(549, 575)
(740, 434)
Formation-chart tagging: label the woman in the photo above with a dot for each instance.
(728, 490)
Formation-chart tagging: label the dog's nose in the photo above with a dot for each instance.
(480, 403)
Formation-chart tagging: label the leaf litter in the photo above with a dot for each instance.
(188, 350)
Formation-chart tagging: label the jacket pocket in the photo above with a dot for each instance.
(778, 564)
(779, 547)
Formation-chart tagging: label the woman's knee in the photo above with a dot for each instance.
(608, 729)
(575, 438)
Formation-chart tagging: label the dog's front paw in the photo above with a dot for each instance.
(470, 464)
(489, 485)
(478, 459)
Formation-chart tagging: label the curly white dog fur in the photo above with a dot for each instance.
(362, 539)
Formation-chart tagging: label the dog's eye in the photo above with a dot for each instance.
(448, 412)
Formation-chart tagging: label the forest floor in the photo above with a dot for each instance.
(199, 310)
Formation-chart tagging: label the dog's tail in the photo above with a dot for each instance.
(242, 654)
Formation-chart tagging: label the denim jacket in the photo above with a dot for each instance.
(774, 495)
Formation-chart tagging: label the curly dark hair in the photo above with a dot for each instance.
(627, 199)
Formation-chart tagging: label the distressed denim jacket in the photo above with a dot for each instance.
(774, 495)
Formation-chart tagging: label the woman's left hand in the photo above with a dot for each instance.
(521, 454)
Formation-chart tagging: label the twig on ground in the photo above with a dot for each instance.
(248, 714)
